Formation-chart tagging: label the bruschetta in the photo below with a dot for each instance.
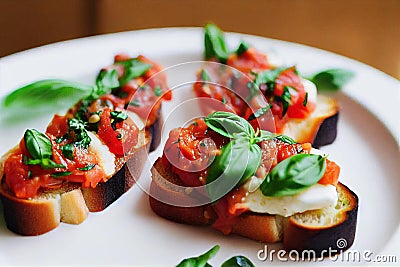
(80, 163)
(251, 81)
(142, 87)
(219, 171)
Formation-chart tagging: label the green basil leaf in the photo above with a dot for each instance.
(45, 163)
(238, 161)
(286, 139)
(268, 76)
(133, 68)
(68, 151)
(38, 144)
(81, 137)
(204, 75)
(200, 261)
(332, 79)
(47, 94)
(118, 115)
(158, 91)
(243, 47)
(264, 136)
(293, 175)
(60, 174)
(238, 261)
(87, 168)
(305, 101)
(259, 112)
(214, 43)
(227, 124)
(107, 79)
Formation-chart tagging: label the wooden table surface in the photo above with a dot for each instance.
(366, 30)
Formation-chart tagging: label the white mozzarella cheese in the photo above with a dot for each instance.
(315, 197)
(106, 158)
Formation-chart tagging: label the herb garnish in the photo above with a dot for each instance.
(133, 68)
(60, 174)
(239, 159)
(331, 79)
(87, 168)
(202, 260)
(158, 91)
(40, 149)
(293, 175)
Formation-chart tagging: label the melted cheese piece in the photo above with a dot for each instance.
(311, 89)
(315, 197)
(105, 157)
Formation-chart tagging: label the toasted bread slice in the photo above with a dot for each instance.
(317, 229)
(320, 128)
(71, 203)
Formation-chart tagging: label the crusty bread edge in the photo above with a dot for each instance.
(71, 204)
(259, 227)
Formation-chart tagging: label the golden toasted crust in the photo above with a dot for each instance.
(70, 203)
(297, 232)
(319, 128)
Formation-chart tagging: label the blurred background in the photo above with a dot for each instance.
(366, 30)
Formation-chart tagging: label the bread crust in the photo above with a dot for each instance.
(71, 203)
(260, 227)
(319, 128)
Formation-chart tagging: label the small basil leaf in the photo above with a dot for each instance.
(214, 43)
(45, 163)
(200, 261)
(158, 91)
(264, 136)
(133, 68)
(259, 112)
(268, 76)
(107, 79)
(286, 139)
(332, 79)
(82, 138)
(60, 174)
(87, 168)
(38, 144)
(47, 95)
(118, 115)
(239, 160)
(68, 151)
(204, 75)
(227, 124)
(293, 175)
(238, 261)
(243, 47)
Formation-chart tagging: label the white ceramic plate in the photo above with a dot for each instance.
(129, 233)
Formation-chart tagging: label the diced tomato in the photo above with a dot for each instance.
(250, 60)
(189, 154)
(58, 126)
(120, 140)
(331, 175)
(287, 150)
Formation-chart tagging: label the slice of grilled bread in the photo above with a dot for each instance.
(320, 128)
(317, 229)
(71, 203)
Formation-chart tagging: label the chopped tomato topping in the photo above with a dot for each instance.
(121, 139)
(331, 175)
(250, 60)
(288, 96)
